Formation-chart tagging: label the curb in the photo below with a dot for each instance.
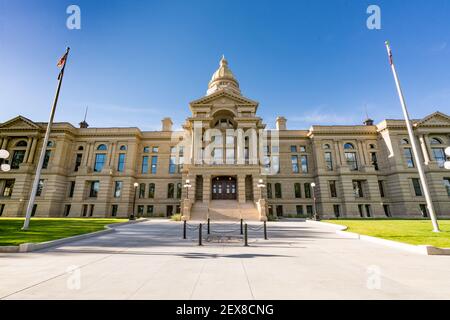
(419, 249)
(30, 247)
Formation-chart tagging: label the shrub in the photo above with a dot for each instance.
(176, 217)
(272, 218)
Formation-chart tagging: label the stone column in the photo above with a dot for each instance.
(27, 152)
(206, 188)
(241, 188)
(32, 150)
(5, 143)
(360, 151)
(337, 154)
(423, 145)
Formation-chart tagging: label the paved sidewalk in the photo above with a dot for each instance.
(149, 260)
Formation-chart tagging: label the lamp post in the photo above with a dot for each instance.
(4, 154)
(447, 163)
(316, 215)
(135, 185)
(187, 185)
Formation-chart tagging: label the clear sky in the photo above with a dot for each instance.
(135, 62)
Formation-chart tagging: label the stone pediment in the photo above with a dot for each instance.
(435, 119)
(224, 98)
(19, 123)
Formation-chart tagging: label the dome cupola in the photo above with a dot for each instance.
(223, 79)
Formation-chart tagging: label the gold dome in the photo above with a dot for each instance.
(223, 79)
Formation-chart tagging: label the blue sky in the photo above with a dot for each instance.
(135, 62)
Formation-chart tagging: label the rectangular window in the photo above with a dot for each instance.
(154, 164)
(140, 210)
(417, 187)
(423, 210)
(294, 149)
(299, 209)
(387, 210)
(118, 189)
(297, 190)
(172, 165)
(85, 209)
(358, 189)
(144, 164)
(114, 209)
(121, 163)
(307, 190)
(8, 188)
(91, 210)
(151, 190)
(17, 159)
(155, 149)
(78, 161)
(178, 190)
(304, 160)
(2, 208)
(368, 211)
(294, 161)
(337, 210)
(302, 149)
(360, 209)
(447, 185)
(99, 162)
(351, 161)
(329, 161)
(269, 191)
(67, 208)
(141, 190)
(71, 188)
(373, 156)
(169, 211)
(150, 210)
(278, 194)
(408, 157)
(46, 159)
(333, 189)
(170, 190)
(40, 188)
(33, 211)
(95, 186)
(309, 210)
(279, 211)
(381, 188)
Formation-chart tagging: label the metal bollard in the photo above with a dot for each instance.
(200, 235)
(242, 222)
(209, 232)
(265, 231)
(184, 229)
(246, 236)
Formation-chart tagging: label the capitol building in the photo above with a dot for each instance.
(225, 164)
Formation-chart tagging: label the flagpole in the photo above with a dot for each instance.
(413, 143)
(37, 176)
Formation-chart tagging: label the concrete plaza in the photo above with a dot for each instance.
(149, 260)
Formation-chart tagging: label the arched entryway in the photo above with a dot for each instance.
(224, 188)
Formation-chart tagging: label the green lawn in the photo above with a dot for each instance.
(418, 232)
(46, 229)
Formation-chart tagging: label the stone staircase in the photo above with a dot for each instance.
(224, 210)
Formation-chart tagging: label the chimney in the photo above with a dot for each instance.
(166, 124)
(281, 123)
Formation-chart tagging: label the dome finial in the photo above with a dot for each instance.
(223, 61)
(223, 79)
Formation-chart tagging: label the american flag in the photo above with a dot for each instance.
(62, 61)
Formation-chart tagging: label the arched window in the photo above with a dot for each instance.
(224, 124)
(102, 147)
(404, 141)
(21, 143)
(50, 144)
(348, 146)
(326, 146)
(123, 148)
(435, 141)
(146, 149)
(151, 190)
(372, 146)
(80, 148)
(278, 193)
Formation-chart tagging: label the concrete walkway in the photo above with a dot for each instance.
(302, 260)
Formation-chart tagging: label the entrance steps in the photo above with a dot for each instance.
(224, 210)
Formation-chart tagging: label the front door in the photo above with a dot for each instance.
(224, 188)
